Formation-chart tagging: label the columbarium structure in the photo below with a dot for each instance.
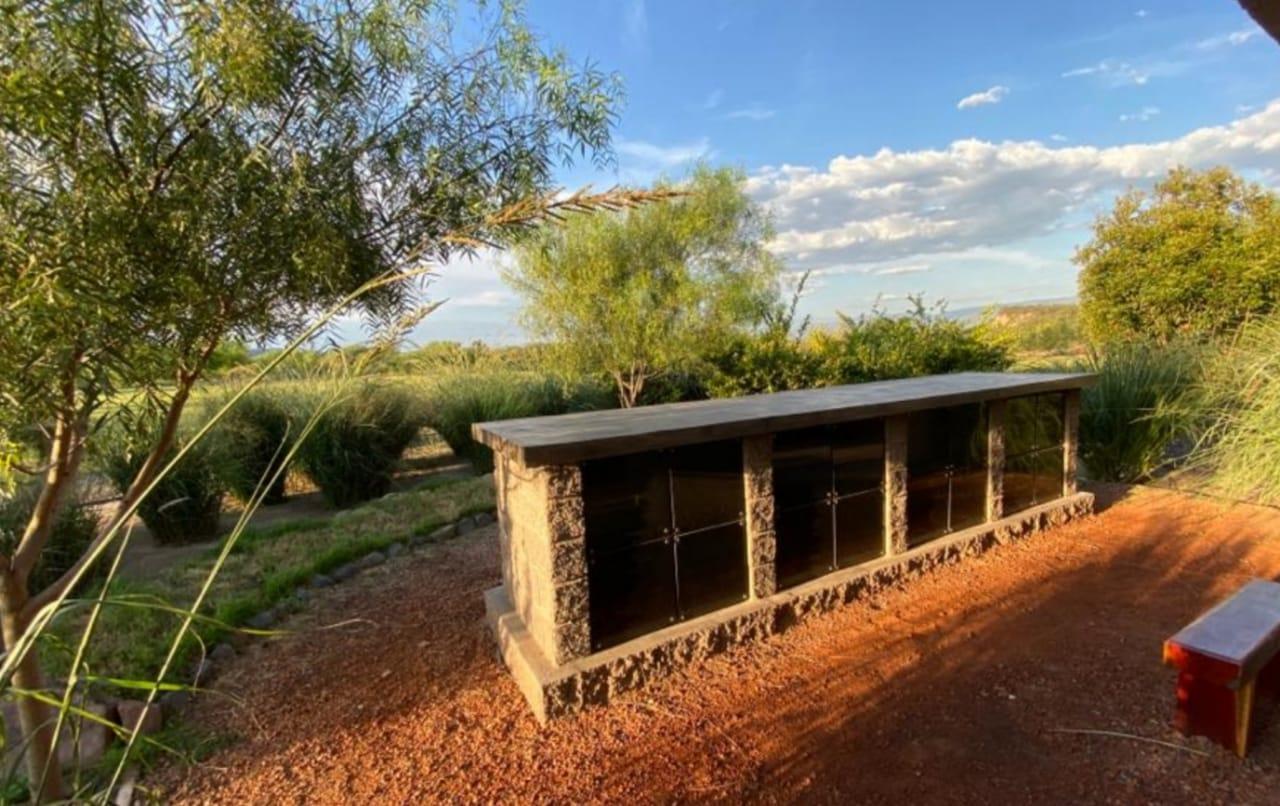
(637, 540)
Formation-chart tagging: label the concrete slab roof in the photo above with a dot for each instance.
(571, 438)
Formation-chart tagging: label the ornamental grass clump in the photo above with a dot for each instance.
(355, 448)
(254, 438)
(1241, 397)
(466, 398)
(186, 503)
(73, 531)
(1137, 409)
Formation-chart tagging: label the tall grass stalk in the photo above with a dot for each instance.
(1240, 398)
(1136, 410)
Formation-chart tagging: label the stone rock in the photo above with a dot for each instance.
(443, 533)
(263, 620)
(93, 738)
(204, 671)
(131, 711)
(172, 702)
(484, 518)
(222, 653)
(465, 525)
(344, 572)
(321, 581)
(302, 596)
(395, 550)
(371, 559)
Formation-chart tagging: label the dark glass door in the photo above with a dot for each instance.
(946, 471)
(1033, 451)
(828, 498)
(665, 538)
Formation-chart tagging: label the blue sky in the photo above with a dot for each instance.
(958, 150)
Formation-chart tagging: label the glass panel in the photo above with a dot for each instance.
(1022, 433)
(632, 592)
(707, 484)
(967, 429)
(858, 455)
(926, 507)
(801, 467)
(928, 445)
(1051, 417)
(713, 569)
(804, 543)
(625, 500)
(859, 528)
(1019, 483)
(968, 499)
(1048, 465)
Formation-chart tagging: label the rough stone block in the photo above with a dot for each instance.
(568, 561)
(566, 520)
(571, 601)
(563, 481)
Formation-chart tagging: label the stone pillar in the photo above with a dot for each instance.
(1070, 440)
(762, 541)
(895, 484)
(995, 460)
(544, 559)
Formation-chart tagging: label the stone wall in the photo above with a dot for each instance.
(762, 544)
(542, 535)
(895, 484)
(1070, 441)
(995, 459)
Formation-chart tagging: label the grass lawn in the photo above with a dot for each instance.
(265, 568)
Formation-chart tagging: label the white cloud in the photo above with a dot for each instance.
(1231, 39)
(1142, 116)
(974, 193)
(753, 112)
(992, 96)
(909, 268)
(1059, 138)
(1141, 13)
(636, 25)
(663, 157)
(487, 298)
(1114, 72)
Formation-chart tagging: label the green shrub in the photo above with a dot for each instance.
(254, 438)
(1138, 407)
(353, 451)
(1240, 398)
(770, 362)
(467, 398)
(73, 530)
(185, 504)
(921, 342)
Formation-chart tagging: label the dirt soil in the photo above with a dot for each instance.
(968, 686)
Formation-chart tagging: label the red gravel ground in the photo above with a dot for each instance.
(964, 687)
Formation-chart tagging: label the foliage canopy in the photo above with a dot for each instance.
(1195, 258)
(638, 293)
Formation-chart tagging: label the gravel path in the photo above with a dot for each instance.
(961, 687)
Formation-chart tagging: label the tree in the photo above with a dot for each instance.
(178, 175)
(1195, 258)
(638, 293)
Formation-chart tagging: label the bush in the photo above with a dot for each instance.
(73, 531)
(185, 504)
(921, 342)
(1240, 396)
(254, 438)
(770, 362)
(469, 398)
(1138, 407)
(354, 448)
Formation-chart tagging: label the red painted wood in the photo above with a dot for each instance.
(1205, 709)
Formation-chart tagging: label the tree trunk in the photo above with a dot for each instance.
(35, 717)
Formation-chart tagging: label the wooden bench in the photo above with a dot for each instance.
(1220, 657)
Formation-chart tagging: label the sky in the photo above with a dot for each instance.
(955, 150)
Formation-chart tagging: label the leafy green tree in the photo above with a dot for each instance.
(772, 360)
(1195, 258)
(174, 176)
(642, 292)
